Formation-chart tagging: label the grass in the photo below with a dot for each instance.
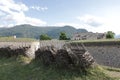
(99, 40)
(17, 69)
(11, 39)
(111, 69)
(113, 72)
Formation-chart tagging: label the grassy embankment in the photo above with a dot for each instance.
(99, 40)
(11, 39)
(17, 69)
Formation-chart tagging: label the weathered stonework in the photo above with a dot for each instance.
(105, 53)
(18, 48)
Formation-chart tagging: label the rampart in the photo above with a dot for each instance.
(104, 53)
(26, 48)
(9, 49)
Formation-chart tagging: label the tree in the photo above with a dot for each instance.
(110, 35)
(63, 36)
(45, 37)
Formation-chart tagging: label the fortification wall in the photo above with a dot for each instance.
(9, 49)
(28, 49)
(105, 53)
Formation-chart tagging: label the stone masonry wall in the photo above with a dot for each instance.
(15, 48)
(105, 53)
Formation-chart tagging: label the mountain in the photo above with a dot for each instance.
(30, 31)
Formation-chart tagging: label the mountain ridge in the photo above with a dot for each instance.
(29, 31)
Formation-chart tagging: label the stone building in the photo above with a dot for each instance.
(88, 36)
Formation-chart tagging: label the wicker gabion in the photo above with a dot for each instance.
(70, 56)
(9, 52)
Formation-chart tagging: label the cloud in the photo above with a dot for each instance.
(9, 6)
(99, 24)
(91, 20)
(33, 21)
(64, 24)
(95, 23)
(22, 19)
(14, 14)
(1, 25)
(1, 13)
(38, 8)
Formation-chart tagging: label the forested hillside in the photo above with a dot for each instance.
(30, 31)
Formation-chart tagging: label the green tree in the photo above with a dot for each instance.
(45, 37)
(63, 36)
(110, 35)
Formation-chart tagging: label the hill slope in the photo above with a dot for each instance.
(30, 31)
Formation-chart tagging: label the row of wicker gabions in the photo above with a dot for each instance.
(49, 55)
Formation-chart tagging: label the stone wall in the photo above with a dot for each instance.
(56, 43)
(27, 48)
(9, 49)
(105, 53)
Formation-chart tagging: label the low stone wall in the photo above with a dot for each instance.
(15, 45)
(8, 52)
(8, 49)
(105, 53)
(56, 43)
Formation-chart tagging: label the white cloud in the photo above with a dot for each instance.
(14, 14)
(32, 21)
(1, 13)
(10, 25)
(95, 23)
(22, 19)
(10, 5)
(1, 25)
(91, 20)
(38, 8)
(64, 24)
(99, 24)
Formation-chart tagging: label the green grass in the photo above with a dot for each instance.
(111, 69)
(99, 40)
(17, 69)
(11, 39)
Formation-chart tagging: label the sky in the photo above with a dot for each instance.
(93, 15)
